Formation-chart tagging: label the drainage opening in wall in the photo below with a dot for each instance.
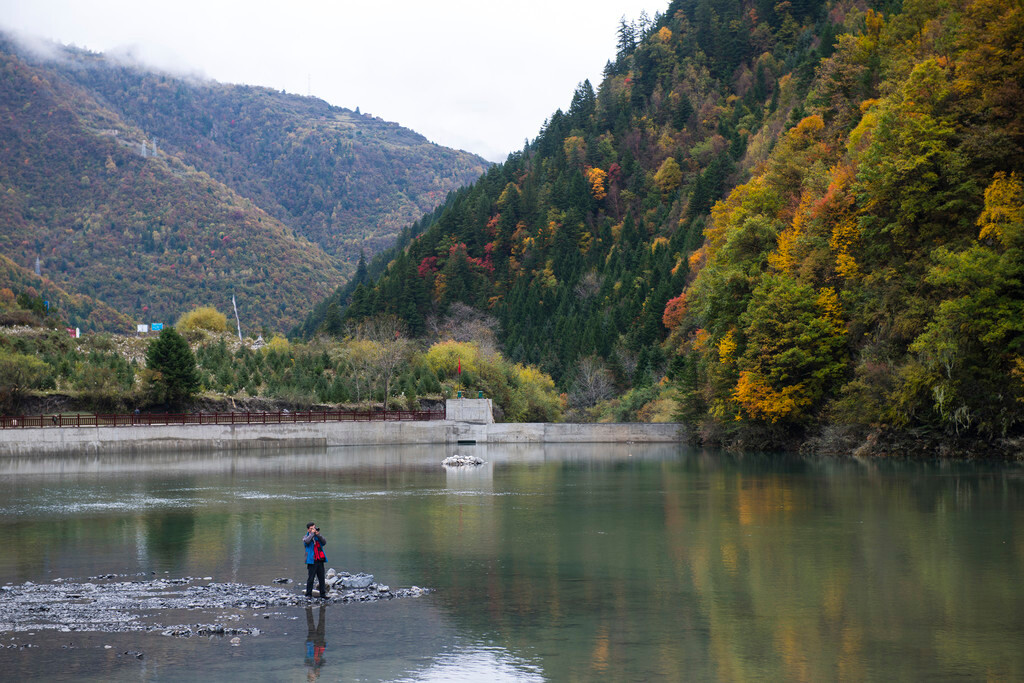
(467, 442)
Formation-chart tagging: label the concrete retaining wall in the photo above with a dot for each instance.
(476, 410)
(200, 438)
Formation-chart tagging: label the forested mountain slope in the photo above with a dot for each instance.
(107, 177)
(44, 297)
(147, 235)
(803, 213)
(577, 242)
(872, 271)
(345, 180)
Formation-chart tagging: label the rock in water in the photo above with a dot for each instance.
(461, 460)
(346, 580)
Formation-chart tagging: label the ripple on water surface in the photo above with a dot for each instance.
(478, 663)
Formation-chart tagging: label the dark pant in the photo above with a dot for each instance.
(316, 638)
(316, 570)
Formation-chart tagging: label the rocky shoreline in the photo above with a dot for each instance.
(886, 442)
(862, 441)
(104, 604)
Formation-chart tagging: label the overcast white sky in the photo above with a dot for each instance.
(477, 75)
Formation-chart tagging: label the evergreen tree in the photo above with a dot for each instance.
(361, 304)
(170, 357)
(362, 275)
(332, 321)
(626, 41)
(683, 111)
(414, 300)
(583, 104)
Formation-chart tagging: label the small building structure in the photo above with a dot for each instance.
(471, 410)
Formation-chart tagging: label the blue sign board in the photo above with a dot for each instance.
(156, 327)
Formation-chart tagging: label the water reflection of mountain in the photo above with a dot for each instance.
(732, 566)
(289, 461)
(577, 562)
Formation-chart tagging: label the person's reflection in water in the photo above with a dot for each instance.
(316, 642)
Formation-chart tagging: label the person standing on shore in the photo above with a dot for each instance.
(315, 559)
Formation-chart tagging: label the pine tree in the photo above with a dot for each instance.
(362, 276)
(626, 35)
(170, 357)
(360, 305)
(584, 102)
(332, 321)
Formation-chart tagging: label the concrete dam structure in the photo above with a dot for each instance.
(469, 421)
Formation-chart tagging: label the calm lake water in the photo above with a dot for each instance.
(548, 563)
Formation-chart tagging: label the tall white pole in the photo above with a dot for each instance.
(237, 322)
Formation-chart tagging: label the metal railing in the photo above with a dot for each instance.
(151, 419)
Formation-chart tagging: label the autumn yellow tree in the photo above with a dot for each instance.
(1003, 216)
(205, 318)
(363, 357)
(575, 149)
(794, 343)
(669, 176)
(596, 177)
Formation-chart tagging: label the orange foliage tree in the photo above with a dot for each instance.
(597, 178)
(675, 309)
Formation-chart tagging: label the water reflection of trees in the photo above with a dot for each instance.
(706, 565)
(738, 567)
(169, 536)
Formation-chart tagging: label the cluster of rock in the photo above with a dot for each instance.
(461, 460)
(126, 606)
(343, 580)
(187, 631)
(345, 587)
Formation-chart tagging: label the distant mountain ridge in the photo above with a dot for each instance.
(154, 194)
(344, 180)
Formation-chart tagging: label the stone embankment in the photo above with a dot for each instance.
(469, 421)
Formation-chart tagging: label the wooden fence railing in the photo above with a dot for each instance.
(149, 419)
